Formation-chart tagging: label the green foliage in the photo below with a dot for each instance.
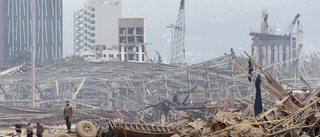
(20, 56)
(76, 58)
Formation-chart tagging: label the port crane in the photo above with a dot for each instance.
(177, 47)
(288, 31)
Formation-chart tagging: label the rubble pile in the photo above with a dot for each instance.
(222, 124)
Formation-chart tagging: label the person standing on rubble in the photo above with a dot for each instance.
(40, 130)
(29, 130)
(67, 114)
(18, 129)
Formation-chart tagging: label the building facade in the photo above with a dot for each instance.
(132, 40)
(15, 29)
(96, 29)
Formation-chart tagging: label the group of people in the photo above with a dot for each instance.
(67, 114)
(29, 129)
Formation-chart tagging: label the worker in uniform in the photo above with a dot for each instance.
(67, 114)
(29, 130)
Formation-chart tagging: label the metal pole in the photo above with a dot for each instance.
(33, 56)
(172, 39)
(172, 52)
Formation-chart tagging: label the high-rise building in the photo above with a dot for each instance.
(132, 40)
(96, 29)
(16, 29)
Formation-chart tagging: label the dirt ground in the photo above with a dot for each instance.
(9, 132)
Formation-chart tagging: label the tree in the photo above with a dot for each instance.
(20, 56)
(76, 58)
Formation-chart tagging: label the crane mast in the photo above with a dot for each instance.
(178, 49)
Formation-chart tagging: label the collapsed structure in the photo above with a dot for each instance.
(158, 94)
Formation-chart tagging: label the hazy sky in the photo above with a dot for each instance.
(212, 26)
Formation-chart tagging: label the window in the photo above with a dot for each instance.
(122, 39)
(131, 31)
(142, 48)
(119, 48)
(122, 31)
(284, 50)
(131, 39)
(139, 30)
(125, 49)
(110, 55)
(104, 55)
(130, 48)
(142, 57)
(140, 39)
(104, 47)
(131, 56)
(137, 50)
(125, 57)
(137, 57)
(294, 45)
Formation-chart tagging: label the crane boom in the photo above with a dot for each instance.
(290, 28)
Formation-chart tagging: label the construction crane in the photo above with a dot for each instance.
(178, 49)
(288, 31)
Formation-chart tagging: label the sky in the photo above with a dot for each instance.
(212, 26)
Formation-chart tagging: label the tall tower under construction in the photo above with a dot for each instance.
(270, 45)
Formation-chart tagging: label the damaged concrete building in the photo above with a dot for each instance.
(132, 40)
(270, 46)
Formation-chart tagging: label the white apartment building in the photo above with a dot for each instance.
(132, 40)
(96, 29)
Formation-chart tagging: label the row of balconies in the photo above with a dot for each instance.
(132, 57)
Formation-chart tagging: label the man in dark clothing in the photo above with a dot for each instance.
(40, 130)
(258, 101)
(250, 70)
(29, 130)
(18, 128)
(67, 113)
